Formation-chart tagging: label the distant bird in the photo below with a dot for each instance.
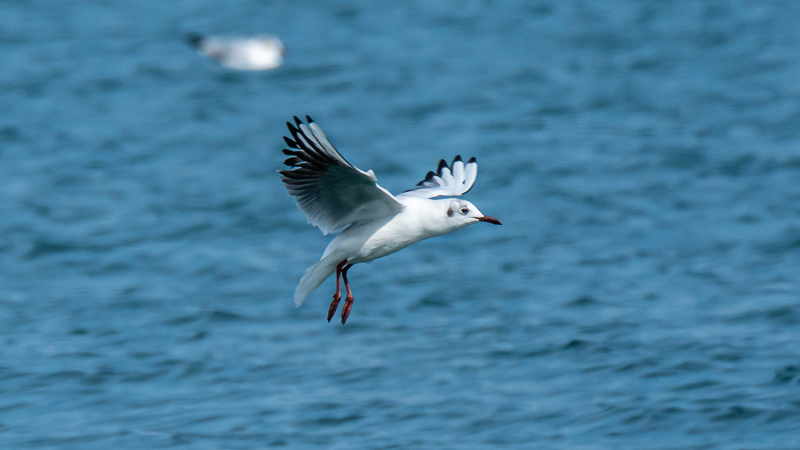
(334, 194)
(241, 53)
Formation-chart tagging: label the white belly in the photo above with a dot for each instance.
(372, 240)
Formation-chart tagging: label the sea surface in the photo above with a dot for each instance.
(643, 292)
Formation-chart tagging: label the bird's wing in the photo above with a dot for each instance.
(329, 190)
(448, 181)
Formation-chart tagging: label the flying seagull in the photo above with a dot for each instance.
(335, 195)
(262, 52)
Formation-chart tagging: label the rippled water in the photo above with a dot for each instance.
(643, 293)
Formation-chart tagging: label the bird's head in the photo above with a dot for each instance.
(461, 213)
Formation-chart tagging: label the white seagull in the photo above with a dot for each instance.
(334, 194)
(241, 53)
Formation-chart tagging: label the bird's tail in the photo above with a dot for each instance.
(313, 278)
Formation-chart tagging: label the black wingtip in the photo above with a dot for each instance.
(290, 142)
(457, 158)
(428, 177)
(472, 160)
(309, 119)
(293, 161)
(297, 121)
(442, 165)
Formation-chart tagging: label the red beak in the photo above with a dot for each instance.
(488, 219)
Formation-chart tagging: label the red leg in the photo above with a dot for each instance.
(338, 294)
(348, 301)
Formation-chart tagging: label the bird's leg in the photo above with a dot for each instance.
(348, 301)
(338, 294)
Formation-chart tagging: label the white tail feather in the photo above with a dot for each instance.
(313, 278)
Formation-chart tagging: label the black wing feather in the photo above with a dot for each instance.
(442, 184)
(328, 189)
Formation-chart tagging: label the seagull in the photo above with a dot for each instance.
(241, 53)
(335, 195)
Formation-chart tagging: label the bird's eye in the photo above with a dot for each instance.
(464, 210)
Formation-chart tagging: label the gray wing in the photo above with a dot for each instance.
(450, 181)
(330, 191)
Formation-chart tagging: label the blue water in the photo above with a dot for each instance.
(644, 157)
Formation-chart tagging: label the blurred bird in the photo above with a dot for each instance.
(334, 194)
(241, 53)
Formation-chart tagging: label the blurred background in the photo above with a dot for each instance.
(643, 293)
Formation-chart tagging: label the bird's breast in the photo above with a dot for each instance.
(395, 235)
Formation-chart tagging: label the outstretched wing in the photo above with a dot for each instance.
(449, 181)
(330, 191)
